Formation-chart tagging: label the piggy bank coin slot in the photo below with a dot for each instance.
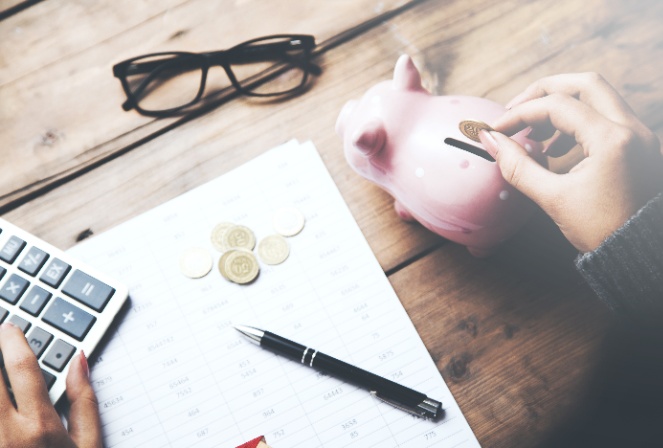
(469, 148)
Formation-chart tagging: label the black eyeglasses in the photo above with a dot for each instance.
(164, 84)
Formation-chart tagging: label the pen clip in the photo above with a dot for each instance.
(429, 408)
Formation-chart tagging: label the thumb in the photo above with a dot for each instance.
(517, 167)
(84, 421)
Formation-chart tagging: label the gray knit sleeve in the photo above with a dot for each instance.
(626, 270)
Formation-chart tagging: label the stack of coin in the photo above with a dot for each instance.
(217, 235)
(238, 263)
(236, 242)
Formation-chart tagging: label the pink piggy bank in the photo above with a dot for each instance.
(408, 142)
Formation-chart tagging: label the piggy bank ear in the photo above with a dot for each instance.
(370, 138)
(344, 116)
(406, 75)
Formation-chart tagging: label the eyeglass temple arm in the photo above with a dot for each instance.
(141, 68)
(257, 52)
(263, 54)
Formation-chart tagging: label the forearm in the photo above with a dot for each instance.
(626, 270)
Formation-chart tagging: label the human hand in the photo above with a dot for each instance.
(34, 421)
(622, 168)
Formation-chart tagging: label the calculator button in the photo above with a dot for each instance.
(13, 289)
(35, 300)
(12, 248)
(88, 290)
(3, 314)
(21, 323)
(68, 318)
(39, 340)
(3, 271)
(59, 354)
(33, 261)
(55, 273)
(49, 378)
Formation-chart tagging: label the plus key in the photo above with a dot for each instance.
(69, 318)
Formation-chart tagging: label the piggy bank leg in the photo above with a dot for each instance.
(402, 212)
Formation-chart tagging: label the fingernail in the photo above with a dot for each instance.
(511, 103)
(8, 325)
(84, 364)
(515, 100)
(489, 143)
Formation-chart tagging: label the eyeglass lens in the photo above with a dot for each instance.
(169, 81)
(270, 67)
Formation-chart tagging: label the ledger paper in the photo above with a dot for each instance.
(176, 374)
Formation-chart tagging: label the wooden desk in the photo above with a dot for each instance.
(518, 337)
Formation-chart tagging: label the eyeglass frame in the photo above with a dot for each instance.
(223, 58)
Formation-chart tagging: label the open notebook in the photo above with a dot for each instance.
(175, 373)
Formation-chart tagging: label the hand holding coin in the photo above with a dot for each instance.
(622, 166)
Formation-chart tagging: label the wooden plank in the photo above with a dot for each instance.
(517, 346)
(211, 145)
(10, 7)
(73, 126)
(66, 87)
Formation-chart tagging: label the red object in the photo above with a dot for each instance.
(252, 443)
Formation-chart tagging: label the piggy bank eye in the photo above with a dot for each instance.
(469, 148)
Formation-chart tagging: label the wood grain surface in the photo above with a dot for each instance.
(518, 337)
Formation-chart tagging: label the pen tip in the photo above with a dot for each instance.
(252, 333)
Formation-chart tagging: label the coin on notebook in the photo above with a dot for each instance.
(196, 262)
(217, 235)
(471, 129)
(288, 221)
(222, 263)
(239, 236)
(241, 266)
(273, 249)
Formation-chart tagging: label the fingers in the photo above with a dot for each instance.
(590, 88)
(23, 372)
(519, 169)
(84, 422)
(576, 120)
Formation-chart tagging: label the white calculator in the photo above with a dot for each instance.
(62, 305)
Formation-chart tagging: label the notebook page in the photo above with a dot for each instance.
(176, 374)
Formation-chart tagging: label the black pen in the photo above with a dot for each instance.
(399, 396)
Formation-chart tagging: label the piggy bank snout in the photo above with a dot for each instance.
(369, 138)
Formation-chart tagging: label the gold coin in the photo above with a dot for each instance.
(241, 266)
(222, 263)
(217, 235)
(239, 237)
(196, 262)
(273, 249)
(471, 129)
(288, 221)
